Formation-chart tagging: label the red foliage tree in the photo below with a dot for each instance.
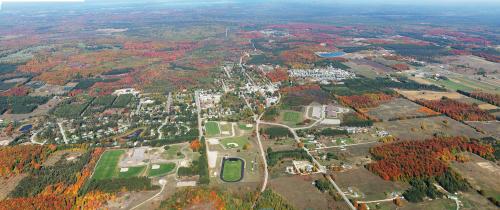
(408, 159)
(457, 110)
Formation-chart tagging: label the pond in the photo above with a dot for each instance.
(330, 54)
(134, 134)
(26, 128)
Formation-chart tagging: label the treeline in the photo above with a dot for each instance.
(191, 135)
(482, 96)
(420, 52)
(118, 184)
(274, 157)
(331, 63)
(405, 160)
(63, 172)
(203, 163)
(21, 104)
(198, 167)
(99, 104)
(118, 71)
(271, 200)
(360, 86)
(84, 84)
(457, 110)
(192, 197)
(122, 101)
(322, 132)
(424, 187)
(23, 158)
(353, 120)
(277, 132)
(368, 100)
(72, 108)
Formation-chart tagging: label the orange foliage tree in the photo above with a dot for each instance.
(457, 110)
(21, 158)
(419, 159)
(368, 100)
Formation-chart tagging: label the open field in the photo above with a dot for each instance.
(429, 95)
(234, 142)
(437, 204)
(481, 174)
(107, 166)
(367, 185)
(244, 126)
(9, 184)
(58, 155)
(279, 145)
(212, 128)
(420, 128)
(491, 127)
(172, 152)
(364, 70)
(232, 170)
(398, 108)
(302, 194)
(165, 168)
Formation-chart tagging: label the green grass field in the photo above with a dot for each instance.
(232, 170)
(171, 153)
(164, 169)
(346, 141)
(292, 117)
(212, 128)
(107, 166)
(448, 84)
(228, 143)
(244, 127)
(132, 172)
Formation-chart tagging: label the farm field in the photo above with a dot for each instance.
(212, 128)
(107, 166)
(232, 170)
(234, 142)
(364, 70)
(429, 95)
(419, 128)
(490, 127)
(296, 193)
(165, 168)
(279, 145)
(367, 185)
(479, 173)
(399, 108)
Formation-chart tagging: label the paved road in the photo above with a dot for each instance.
(63, 133)
(169, 101)
(198, 110)
(262, 153)
(321, 167)
(347, 145)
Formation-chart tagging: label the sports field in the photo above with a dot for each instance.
(232, 170)
(292, 117)
(212, 128)
(234, 142)
(132, 172)
(165, 168)
(107, 166)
